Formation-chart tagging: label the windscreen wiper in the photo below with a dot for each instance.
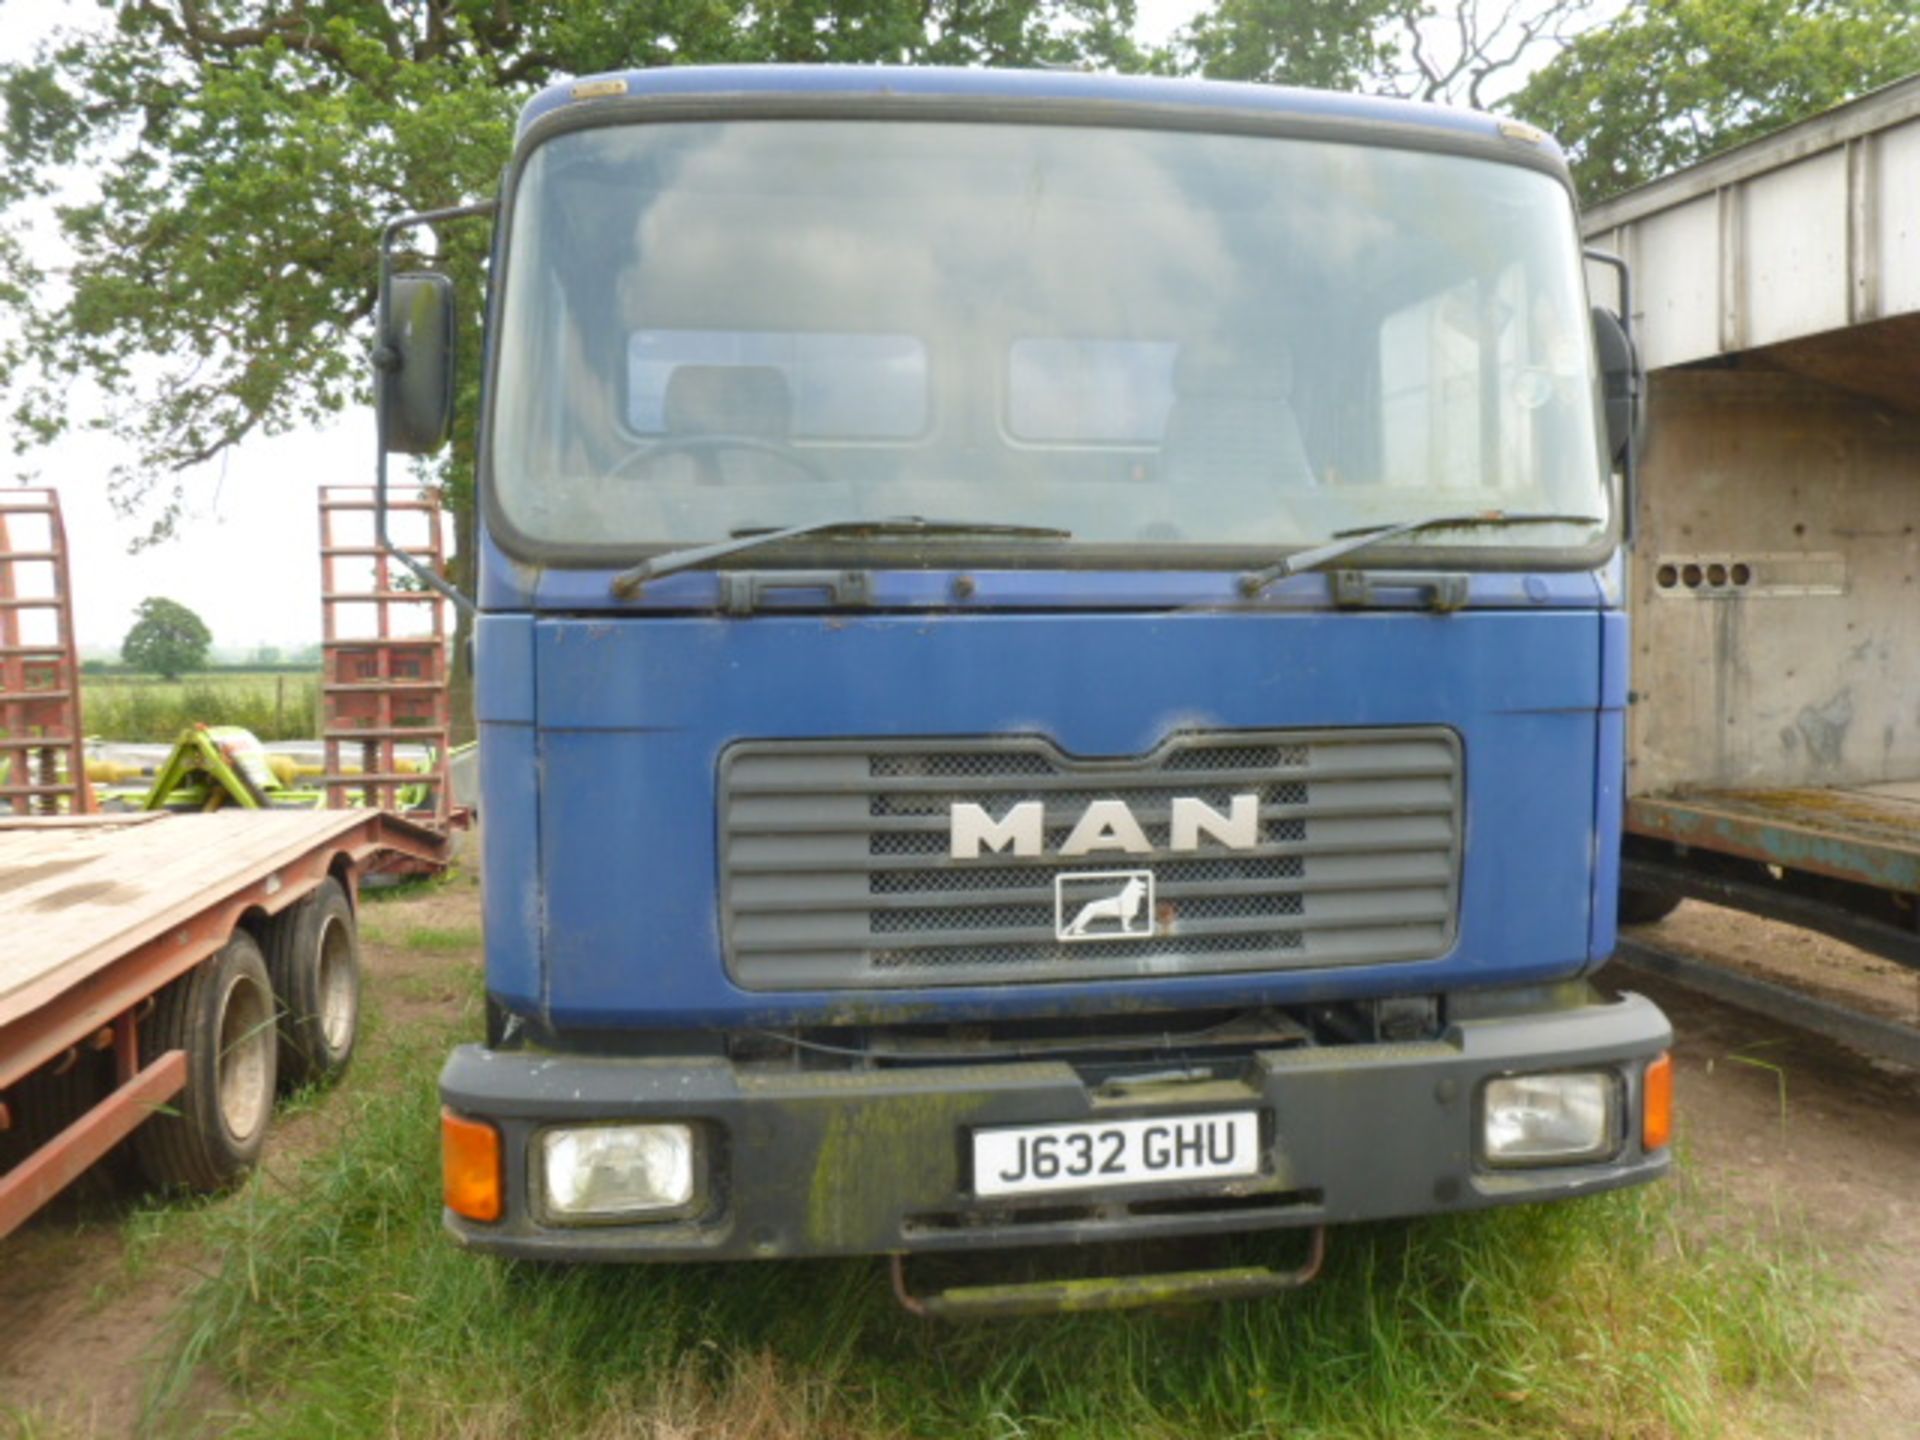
(629, 583)
(1345, 542)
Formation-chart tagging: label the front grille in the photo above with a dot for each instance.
(836, 869)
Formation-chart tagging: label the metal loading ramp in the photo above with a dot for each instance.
(42, 765)
(1774, 731)
(385, 659)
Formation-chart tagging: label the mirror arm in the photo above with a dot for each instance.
(386, 360)
(1630, 466)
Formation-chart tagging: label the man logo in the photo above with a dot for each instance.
(1103, 825)
(1103, 905)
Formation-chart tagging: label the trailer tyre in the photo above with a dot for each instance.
(221, 1013)
(313, 957)
(45, 1103)
(1644, 907)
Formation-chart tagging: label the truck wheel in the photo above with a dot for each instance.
(1643, 907)
(313, 957)
(221, 1014)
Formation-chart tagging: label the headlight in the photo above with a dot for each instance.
(1549, 1119)
(612, 1172)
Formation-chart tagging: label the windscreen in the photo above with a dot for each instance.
(1152, 339)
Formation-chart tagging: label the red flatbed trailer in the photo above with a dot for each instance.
(195, 949)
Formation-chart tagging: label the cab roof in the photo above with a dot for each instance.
(1067, 88)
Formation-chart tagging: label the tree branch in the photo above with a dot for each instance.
(534, 65)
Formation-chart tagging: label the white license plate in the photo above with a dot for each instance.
(1037, 1159)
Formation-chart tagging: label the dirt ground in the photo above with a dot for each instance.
(1804, 959)
(1788, 1120)
(1791, 1124)
(1787, 1125)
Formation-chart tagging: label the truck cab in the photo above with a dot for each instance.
(1050, 668)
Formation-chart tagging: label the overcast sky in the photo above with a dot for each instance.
(245, 554)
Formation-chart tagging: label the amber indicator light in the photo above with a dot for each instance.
(470, 1167)
(1656, 1104)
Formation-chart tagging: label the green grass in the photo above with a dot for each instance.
(274, 706)
(340, 1307)
(398, 893)
(436, 938)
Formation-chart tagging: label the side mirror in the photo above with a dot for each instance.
(1621, 382)
(414, 359)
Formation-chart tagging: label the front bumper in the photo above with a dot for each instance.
(850, 1163)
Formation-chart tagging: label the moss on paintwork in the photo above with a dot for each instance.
(1105, 1292)
(1173, 1091)
(909, 1138)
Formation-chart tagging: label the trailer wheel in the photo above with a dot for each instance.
(313, 956)
(1643, 907)
(220, 1013)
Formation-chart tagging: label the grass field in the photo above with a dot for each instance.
(273, 705)
(336, 1305)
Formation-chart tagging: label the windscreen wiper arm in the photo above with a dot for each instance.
(629, 583)
(1345, 542)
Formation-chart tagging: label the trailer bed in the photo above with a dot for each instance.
(78, 893)
(1869, 834)
(100, 912)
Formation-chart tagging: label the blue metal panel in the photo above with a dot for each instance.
(512, 901)
(635, 712)
(1609, 790)
(987, 86)
(574, 591)
(507, 584)
(503, 669)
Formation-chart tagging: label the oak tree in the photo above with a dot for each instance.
(1671, 81)
(1463, 52)
(167, 639)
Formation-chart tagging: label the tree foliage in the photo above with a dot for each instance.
(1674, 80)
(167, 639)
(244, 153)
(1335, 45)
(1654, 87)
(1460, 51)
(1465, 52)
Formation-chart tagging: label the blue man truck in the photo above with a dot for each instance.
(1050, 668)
